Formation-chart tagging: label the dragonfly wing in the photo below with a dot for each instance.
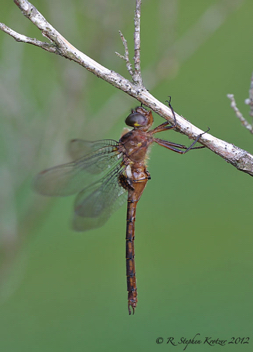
(77, 148)
(95, 204)
(70, 178)
(62, 180)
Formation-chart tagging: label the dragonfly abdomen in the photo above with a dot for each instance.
(130, 263)
(134, 195)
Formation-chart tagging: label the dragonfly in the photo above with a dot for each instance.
(107, 173)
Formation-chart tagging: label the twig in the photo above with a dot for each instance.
(239, 158)
(126, 56)
(137, 44)
(136, 74)
(23, 38)
(238, 113)
(249, 101)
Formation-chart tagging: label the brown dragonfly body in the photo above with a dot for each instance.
(103, 173)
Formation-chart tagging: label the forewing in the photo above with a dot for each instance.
(97, 159)
(77, 148)
(95, 204)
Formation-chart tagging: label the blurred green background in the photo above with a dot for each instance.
(66, 291)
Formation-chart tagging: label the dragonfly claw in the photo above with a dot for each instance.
(132, 302)
(129, 308)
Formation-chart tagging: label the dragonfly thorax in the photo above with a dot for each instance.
(135, 145)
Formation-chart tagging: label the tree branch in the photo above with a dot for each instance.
(239, 158)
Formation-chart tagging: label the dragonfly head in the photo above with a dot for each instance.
(140, 118)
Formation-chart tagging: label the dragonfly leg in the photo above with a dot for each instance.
(166, 125)
(125, 182)
(176, 147)
(172, 110)
(163, 127)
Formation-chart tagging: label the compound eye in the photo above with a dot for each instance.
(136, 120)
